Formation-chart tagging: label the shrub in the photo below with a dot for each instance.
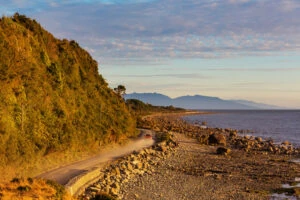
(60, 190)
(103, 196)
(30, 180)
(25, 188)
(163, 136)
(15, 180)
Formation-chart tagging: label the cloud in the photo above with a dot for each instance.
(183, 76)
(255, 69)
(290, 5)
(145, 30)
(238, 1)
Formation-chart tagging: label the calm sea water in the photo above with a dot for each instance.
(280, 125)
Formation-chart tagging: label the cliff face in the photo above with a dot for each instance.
(52, 97)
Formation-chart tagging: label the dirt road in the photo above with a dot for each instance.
(63, 174)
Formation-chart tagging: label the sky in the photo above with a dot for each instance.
(232, 49)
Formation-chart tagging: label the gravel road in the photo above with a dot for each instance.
(63, 174)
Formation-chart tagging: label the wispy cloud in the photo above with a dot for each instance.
(184, 76)
(132, 36)
(254, 69)
(171, 28)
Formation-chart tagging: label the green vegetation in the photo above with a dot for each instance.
(163, 137)
(139, 108)
(52, 98)
(120, 90)
(60, 191)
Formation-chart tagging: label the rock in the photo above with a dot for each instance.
(139, 165)
(233, 134)
(107, 189)
(162, 148)
(286, 143)
(135, 152)
(217, 139)
(95, 189)
(247, 137)
(115, 185)
(116, 171)
(129, 166)
(223, 151)
(126, 172)
(123, 166)
(114, 191)
(258, 139)
(258, 146)
(270, 148)
(203, 139)
(284, 148)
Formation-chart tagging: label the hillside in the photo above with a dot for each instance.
(52, 98)
(155, 99)
(197, 102)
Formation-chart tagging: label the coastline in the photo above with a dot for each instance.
(278, 125)
(178, 114)
(250, 169)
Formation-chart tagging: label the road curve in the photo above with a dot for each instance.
(63, 174)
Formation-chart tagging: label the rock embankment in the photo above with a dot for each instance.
(121, 171)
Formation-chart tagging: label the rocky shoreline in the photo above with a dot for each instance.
(200, 163)
(119, 172)
(218, 136)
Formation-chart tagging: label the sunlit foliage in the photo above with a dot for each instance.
(52, 97)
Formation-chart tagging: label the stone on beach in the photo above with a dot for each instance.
(217, 139)
(223, 151)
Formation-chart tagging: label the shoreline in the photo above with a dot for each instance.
(194, 130)
(185, 113)
(264, 126)
(248, 169)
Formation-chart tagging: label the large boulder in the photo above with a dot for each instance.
(217, 139)
(223, 151)
(203, 139)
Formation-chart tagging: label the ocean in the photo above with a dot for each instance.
(280, 125)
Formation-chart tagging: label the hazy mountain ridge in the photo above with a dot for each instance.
(257, 105)
(198, 102)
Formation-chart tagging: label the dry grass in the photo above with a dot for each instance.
(51, 161)
(28, 189)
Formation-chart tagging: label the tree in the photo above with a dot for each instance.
(120, 90)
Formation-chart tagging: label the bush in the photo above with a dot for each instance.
(25, 188)
(60, 190)
(163, 136)
(103, 196)
(15, 180)
(30, 180)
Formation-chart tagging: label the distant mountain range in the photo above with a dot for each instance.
(198, 102)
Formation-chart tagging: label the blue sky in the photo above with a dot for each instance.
(232, 49)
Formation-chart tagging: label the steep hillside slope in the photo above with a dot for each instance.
(52, 97)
